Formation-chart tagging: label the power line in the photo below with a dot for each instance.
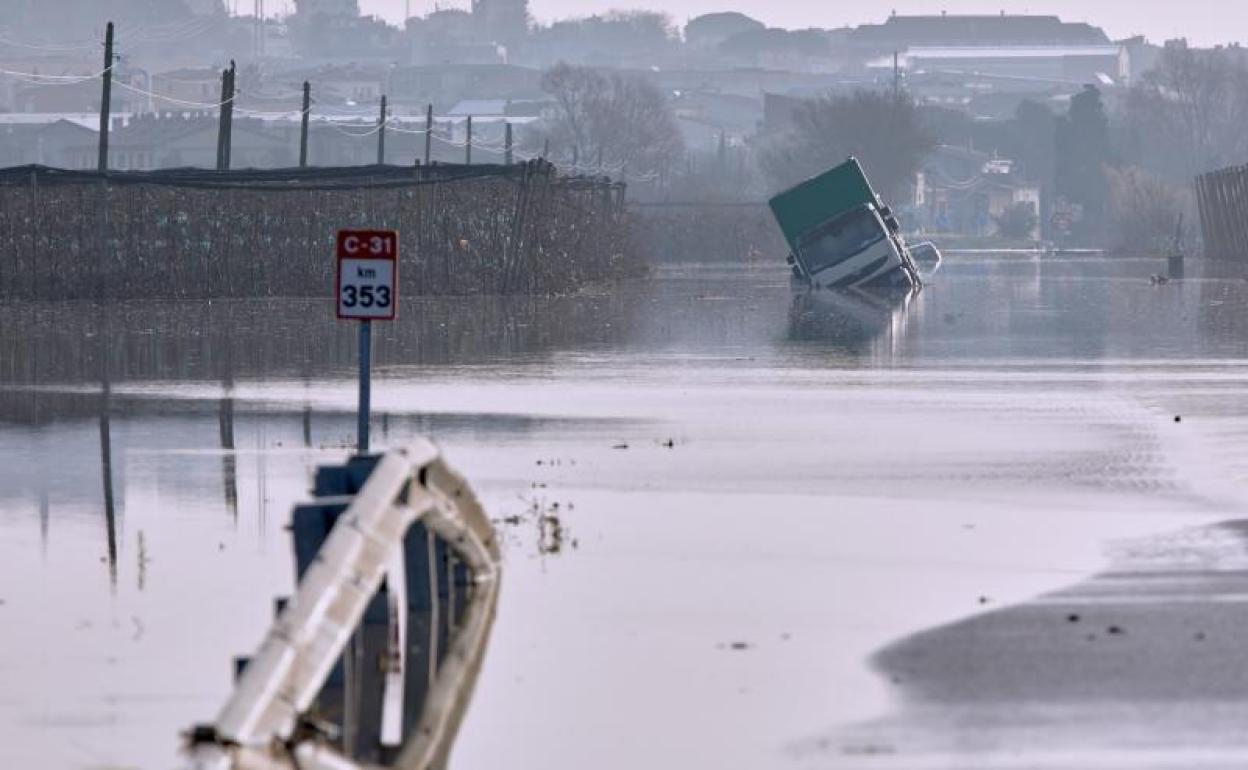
(174, 100)
(52, 80)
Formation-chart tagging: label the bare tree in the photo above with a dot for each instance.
(882, 130)
(614, 122)
(1147, 210)
(1187, 115)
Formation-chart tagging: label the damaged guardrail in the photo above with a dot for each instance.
(373, 661)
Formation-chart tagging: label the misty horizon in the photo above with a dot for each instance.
(1204, 22)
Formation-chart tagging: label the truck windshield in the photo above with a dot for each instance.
(840, 239)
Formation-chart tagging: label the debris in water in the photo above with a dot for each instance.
(1178, 418)
(1115, 631)
(620, 446)
(739, 646)
(1073, 618)
(549, 534)
(670, 443)
(983, 600)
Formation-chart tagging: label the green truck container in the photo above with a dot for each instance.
(801, 209)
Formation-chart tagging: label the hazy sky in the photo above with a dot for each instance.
(1202, 21)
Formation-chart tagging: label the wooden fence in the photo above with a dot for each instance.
(1222, 197)
(500, 229)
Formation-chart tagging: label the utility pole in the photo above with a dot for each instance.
(468, 144)
(303, 128)
(428, 133)
(226, 127)
(225, 91)
(381, 134)
(508, 157)
(896, 76)
(106, 99)
(229, 123)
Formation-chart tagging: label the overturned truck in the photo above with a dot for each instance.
(842, 235)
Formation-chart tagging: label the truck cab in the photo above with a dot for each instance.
(857, 248)
(841, 234)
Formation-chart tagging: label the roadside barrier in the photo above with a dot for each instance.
(373, 661)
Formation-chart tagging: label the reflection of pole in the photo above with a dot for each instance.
(468, 143)
(366, 355)
(508, 159)
(44, 519)
(106, 466)
(228, 471)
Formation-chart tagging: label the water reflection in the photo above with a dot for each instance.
(229, 471)
(106, 470)
(228, 341)
(171, 402)
(859, 323)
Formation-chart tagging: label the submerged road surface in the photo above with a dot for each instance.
(742, 530)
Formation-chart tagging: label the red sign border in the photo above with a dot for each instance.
(394, 306)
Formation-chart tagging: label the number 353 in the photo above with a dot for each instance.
(366, 296)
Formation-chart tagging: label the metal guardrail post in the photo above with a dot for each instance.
(324, 651)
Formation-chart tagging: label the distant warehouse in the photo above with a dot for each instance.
(1039, 48)
(1102, 64)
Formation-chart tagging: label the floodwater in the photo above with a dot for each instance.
(742, 530)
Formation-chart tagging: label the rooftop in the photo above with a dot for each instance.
(947, 30)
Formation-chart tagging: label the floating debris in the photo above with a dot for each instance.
(550, 534)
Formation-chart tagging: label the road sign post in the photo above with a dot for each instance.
(367, 289)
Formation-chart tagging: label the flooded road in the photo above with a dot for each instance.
(727, 512)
